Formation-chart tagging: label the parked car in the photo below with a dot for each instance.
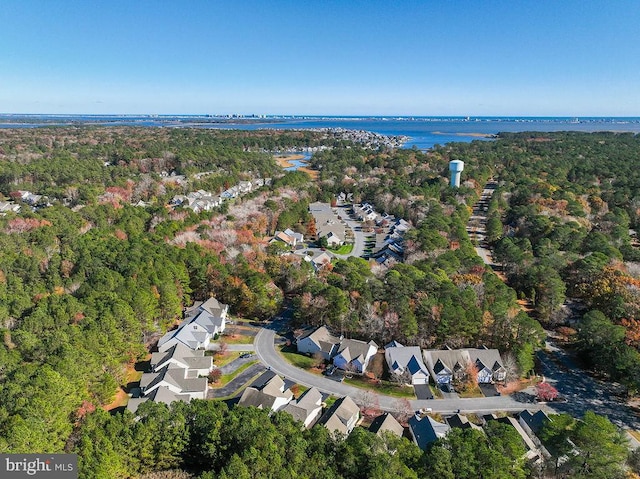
(245, 355)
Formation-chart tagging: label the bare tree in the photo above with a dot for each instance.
(511, 368)
(400, 378)
(370, 404)
(405, 411)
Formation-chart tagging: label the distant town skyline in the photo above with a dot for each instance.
(285, 57)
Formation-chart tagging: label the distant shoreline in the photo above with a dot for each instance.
(477, 135)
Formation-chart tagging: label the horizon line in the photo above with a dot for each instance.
(303, 115)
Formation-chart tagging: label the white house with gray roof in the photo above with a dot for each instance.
(449, 364)
(181, 356)
(202, 322)
(354, 355)
(176, 379)
(177, 374)
(341, 417)
(307, 408)
(271, 395)
(318, 341)
(161, 394)
(407, 359)
(489, 365)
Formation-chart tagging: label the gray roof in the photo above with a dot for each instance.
(304, 406)
(352, 349)
(535, 421)
(265, 395)
(326, 220)
(208, 316)
(386, 422)
(462, 422)
(322, 337)
(161, 394)
(188, 358)
(489, 358)
(175, 376)
(341, 416)
(447, 360)
(426, 430)
(409, 357)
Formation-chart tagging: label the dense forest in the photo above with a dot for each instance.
(562, 226)
(88, 281)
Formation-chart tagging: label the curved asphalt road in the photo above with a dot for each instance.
(266, 352)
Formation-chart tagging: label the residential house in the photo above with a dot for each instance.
(533, 421)
(203, 321)
(533, 452)
(9, 207)
(197, 201)
(354, 355)
(245, 187)
(327, 222)
(177, 379)
(269, 393)
(489, 365)
(425, 430)
(365, 212)
(386, 423)
(341, 417)
(407, 359)
(319, 261)
(184, 357)
(283, 237)
(333, 240)
(461, 422)
(299, 237)
(446, 365)
(318, 341)
(307, 408)
(161, 394)
(176, 375)
(29, 198)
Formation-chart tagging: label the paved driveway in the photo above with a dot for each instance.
(423, 391)
(236, 383)
(489, 390)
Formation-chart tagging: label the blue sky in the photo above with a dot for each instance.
(342, 57)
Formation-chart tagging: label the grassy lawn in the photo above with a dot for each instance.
(344, 249)
(384, 387)
(329, 401)
(225, 378)
(473, 392)
(226, 359)
(298, 360)
(437, 394)
(237, 339)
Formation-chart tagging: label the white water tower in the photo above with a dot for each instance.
(456, 167)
